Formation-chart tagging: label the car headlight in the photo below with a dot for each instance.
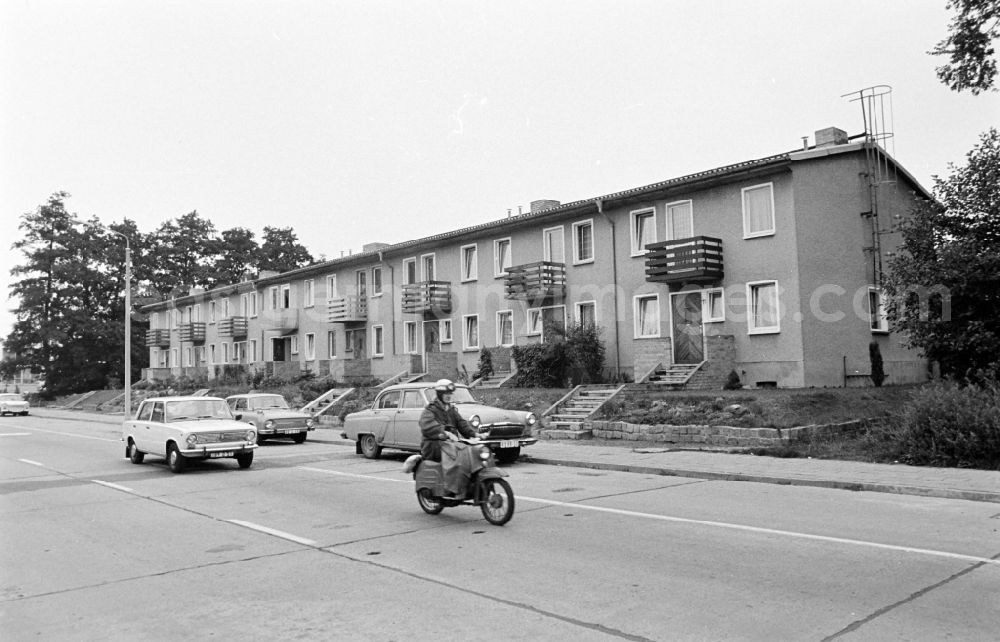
(309, 423)
(251, 435)
(192, 440)
(269, 424)
(531, 419)
(475, 421)
(484, 453)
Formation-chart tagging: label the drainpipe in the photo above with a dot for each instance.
(614, 280)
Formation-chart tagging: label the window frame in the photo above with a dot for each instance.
(577, 317)
(637, 318)
(533, 329)
(706, 305)
(308, 293)
(361, 283)
(473, 273)
(376, 281)
(294, 341)
(743, 204)
(331, 287)
(509, 314)
(752, 328)
(577, 226)
(432, 256)
(310, 346)
(668, 229)
(331, 344)
(286, 296)
(378, 340)
(410, 343)
(499, 271)
(252, 350)
(445, 337)
(466, 346)
(546, 246)
(406, 270)
(878, 320)
(634, 216)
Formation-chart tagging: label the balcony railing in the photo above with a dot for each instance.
(233, 327)
(193, 332)
(283, 320)
(536, 280)
(158, 338)
(427, 296)
(697, 259)
(345, 309)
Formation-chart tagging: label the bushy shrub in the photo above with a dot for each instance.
(732, 381)
(485, 367)
(878, 371)
(541, 365)
(945, 425)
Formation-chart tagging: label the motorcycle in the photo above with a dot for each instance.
(486, 487)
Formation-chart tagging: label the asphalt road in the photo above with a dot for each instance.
(316, 543)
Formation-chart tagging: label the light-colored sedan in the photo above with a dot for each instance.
(270, 415)
(12, 403)
(392, 422)
(184, 428)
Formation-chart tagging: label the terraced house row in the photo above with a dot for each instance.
(770, 268)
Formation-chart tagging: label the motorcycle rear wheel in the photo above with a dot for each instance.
(427, 502)
(498, 501)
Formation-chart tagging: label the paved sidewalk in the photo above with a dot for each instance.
(951, 483)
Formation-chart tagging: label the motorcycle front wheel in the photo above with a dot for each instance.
(498, 501)
(427, 502)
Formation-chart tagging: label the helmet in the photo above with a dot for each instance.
(444, 386)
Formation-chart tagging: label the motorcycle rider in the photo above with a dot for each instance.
(440, 426)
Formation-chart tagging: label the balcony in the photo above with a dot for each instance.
(427, 296)
(697, 259)
(158, 338)
(533, 281)
(345, 309)
(233, 327)
(193, 332)
(283, 320)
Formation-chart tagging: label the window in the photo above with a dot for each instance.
(331, 343)
(272, 297)
(252, 351)
(173, 357)
(552, 245)
(349, 340)
(583, 241)
(643, 230)
(211, 312)
(308, 292)
(763, 298)
(245, 305)
(586, 313)
(361, 278)
(199, 354)
(445, 330)
(197, 313)
(427, 267)
(413, 399)
(505, 328)
(239, 351)
(225, 309)
(389, 399)
(470, 332)
(211, 353)
(253, 304)
(376, 281)
(310, 346)
(470, 262)
(714, 306)
(409, 271)
(294, 341)
(286, 296)
(680, 220)
(225, 353)
(187, 357)
(647, 316)
(534, 321)
(331, 286)
(410, 337)
(758, 211)
(378, 348)
(501, 256)
(878, 319)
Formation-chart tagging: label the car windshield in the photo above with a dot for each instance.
(461, 395)
(270, 401)
(10, 397)
(194, 409)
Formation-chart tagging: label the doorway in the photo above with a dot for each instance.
(688, 331)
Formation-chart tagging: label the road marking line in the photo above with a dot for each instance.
(702, 522)
(69, 434)
(271, 531)
(14, 434)
(115, 486)
(766, 531)
(33, 463)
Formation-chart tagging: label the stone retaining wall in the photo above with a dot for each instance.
(706, 435)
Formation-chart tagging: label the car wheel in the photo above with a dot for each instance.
(508, 455)
(369, 447)
(245, 459)
(427, 502)
(24, 414)
(134, 454)
(175, 459)
(498, 501)
(299, 437)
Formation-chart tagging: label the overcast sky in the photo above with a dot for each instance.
(355, 122)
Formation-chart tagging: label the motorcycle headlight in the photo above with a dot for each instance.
(531, 419)
(251, 435)
(475, 422)
(484, 453)
(269, 424)
(192, 440)
(309, 423)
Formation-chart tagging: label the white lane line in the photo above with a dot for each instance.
(14, 434)
(727, 525)
(33, 463)
(115, 486)
(355, 475)
(69, 434)
(276, 533)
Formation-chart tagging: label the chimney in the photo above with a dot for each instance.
(830, 136)
(266, 274)
(543, 204)
(373, 247)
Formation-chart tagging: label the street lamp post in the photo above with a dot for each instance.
(128, 328)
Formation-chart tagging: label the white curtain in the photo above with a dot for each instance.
(765, 306)
(649, 317)
(758, 210)
(679, 224)
(585, 242)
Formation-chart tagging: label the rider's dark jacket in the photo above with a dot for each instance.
(437, 418)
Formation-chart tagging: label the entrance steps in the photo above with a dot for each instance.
(675, 375)
(495, 380)
(327, 400)
(568, 414)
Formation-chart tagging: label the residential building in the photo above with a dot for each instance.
(770, 268)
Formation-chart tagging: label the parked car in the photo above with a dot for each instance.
(271, 417)
(12, 403)
(184, 428)
(391, 422)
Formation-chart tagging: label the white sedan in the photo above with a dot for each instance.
(13, 404)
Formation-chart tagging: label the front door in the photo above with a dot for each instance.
(687, 328)
(432, 339)
(278, 349)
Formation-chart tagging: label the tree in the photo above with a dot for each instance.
(281, 251)
(237, 255)
(186, 252)
(944, 282)
(969, 46)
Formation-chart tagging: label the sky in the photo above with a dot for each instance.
(354, 122)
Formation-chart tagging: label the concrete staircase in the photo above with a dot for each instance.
(495, 380)
(568, 414)
(327, 400)
(675, 375)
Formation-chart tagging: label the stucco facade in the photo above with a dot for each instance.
(777, 264)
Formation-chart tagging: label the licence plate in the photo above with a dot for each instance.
(509, 443)
(225, 453)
